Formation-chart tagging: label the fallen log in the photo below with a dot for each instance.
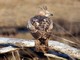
(17, 42)
(64, 48)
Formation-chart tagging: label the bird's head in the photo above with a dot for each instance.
(44, 12)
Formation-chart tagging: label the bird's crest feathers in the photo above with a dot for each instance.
(44, 12)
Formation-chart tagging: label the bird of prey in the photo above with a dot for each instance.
(41, 27)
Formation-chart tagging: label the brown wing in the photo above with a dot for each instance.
(40, 26)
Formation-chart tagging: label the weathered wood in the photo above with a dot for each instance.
(7, 49)
(54, 56)
(17, 42)
(64, 48)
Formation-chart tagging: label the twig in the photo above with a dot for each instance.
(7, 49)
(54, 56)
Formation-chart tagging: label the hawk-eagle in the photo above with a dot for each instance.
(41, 27)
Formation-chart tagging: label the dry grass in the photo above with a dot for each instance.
(17, 12)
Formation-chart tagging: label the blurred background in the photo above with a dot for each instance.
(14, 15)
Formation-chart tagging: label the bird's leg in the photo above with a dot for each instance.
(46, 44)
(37, 45)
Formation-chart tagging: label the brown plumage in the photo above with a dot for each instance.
(40, 27)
